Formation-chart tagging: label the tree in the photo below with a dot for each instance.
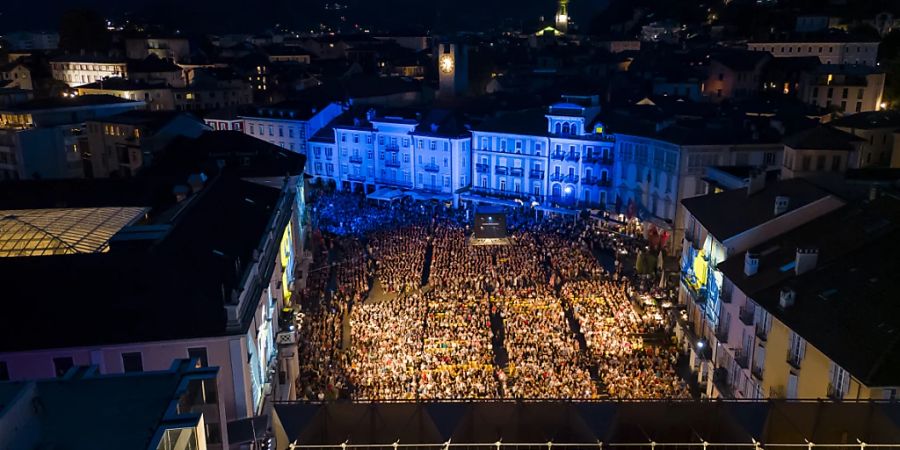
(83, 30)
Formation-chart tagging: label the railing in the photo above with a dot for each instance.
(757, 372)
(722, 334)
(482, 168)
(501, 170)
(725, 295)
(746, 316)
(742, 359)
(392, 163)
(355, 177)
(571, 179)
(761, 332)
(516, 171)
(590, 180)
(571, 156)
(793, 360)
(536, 174)
(432, 168)
(834, 393)
(558, 156)
(356, 159)
(432, 187)
(722, 383)
(394, 182)
(557, 177)
(392, 148)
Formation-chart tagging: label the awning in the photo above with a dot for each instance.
(557, 210)
(491, 200)
(385, 195)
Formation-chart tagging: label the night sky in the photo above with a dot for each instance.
(240, 15)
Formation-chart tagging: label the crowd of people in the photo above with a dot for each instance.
(538, 318)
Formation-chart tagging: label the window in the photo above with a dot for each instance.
(432, 145)
(791, 387)
(132, 362)
(830, 92)
(199, 353)
(806, 163)
(769, 158)
(280, 131)
(796, 349)
(271, 130)
(820, 162)
(859, 94)
(368, 139)
(356, 139)
(721, 76)
(62, 365)
(290, 132)
(252, 131)
(4, 371)
(840, 382)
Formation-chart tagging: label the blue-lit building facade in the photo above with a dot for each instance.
(427, 152)
(559, 157)
(289, 125)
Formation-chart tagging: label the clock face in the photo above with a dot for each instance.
(446, 63)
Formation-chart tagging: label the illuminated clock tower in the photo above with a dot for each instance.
(562, 16)
(453, 70)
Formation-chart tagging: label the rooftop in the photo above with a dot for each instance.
(184, 256)
(822, 137)
(122, 84)
(869, 120)
(57, 231)
(849, 297)
(79, 101)
(755, 209)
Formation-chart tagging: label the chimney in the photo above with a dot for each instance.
(781, 204)
(751, 263)
(757, 181)
(806, 260)
(786, 298)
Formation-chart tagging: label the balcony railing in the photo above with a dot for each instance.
(722, 334)
(356, 159)
(571, 179)
(355, 177)
(557, 177)
(499, 193)
(572, 156)
(536, 174)
(516, 171)
(558, 155)
(501, 170)
(746, 316)
(392, 148)
(757, 372)
(793, 360)
(483, 168)
(741, 359)
(432, 168)
(392, 163)
(432, 187)
(723, 382)
(761, 332)
(394, 182)
(834, 393)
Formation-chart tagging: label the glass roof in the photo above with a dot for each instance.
(40, 232)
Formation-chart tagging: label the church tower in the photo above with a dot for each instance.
(562, 16)
(453, 68)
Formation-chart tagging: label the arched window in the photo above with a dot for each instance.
(565, 128)
(558, 127)
(604, 176)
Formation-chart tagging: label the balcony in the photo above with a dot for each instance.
(356, 159)
(483, 168)
(432, 167)
(516, 171)
(558, 156)
(392, 163)
(432, 187)
(725, 296)
(394, 182)
(741, 358)
(512, 195)
(793, 360)
(761, 332)
(590, 180)
(722, 383)
(571, 179)
(392, 148)
(356, 177)
(722, 334)
(746, 316)
(572, 156)
(757, 372)
(834, 393)
(536, 174)
(697, 295)
(501, 170)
